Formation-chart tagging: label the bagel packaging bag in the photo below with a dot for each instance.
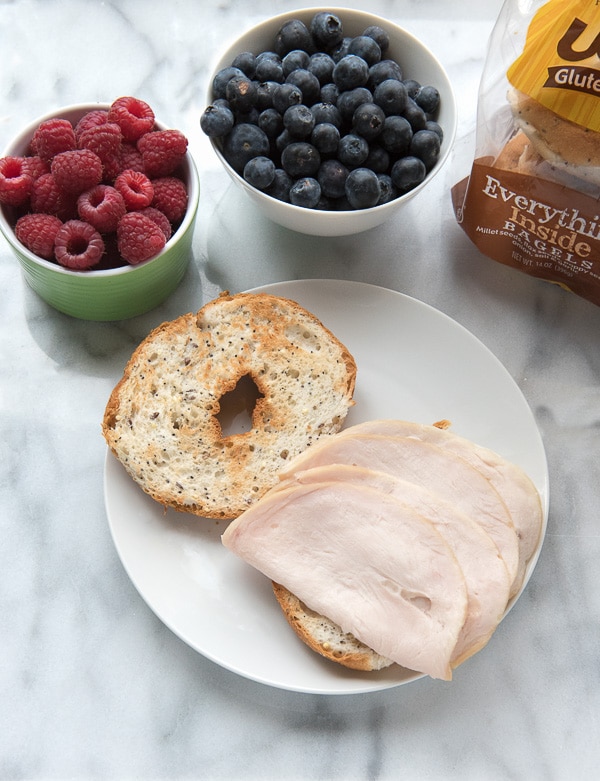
(532, 198)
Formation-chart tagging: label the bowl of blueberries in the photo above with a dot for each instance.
(330, 120)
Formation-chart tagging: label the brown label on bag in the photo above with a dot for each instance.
(542, 228)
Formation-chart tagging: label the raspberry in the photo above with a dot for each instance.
(104, 140)
(130, 158)
(48, 198)
(170, 197)
(36, 166)
(135, 187)
(134, 117)
(52, 137)
(162, 151)
(160, 219)
(93, 118)
(78, 245)
(38, 233)
(139, 238)
(77, 170)
(112, 168)
(102, 207)
(15, 181)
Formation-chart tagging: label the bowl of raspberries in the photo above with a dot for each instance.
(98, 203)
(330, 120)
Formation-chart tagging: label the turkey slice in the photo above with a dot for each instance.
(484, 570)
(428, 466)
(514, 486)
(360, 557)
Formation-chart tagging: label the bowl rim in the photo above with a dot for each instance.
(188, 219)
(341, 214)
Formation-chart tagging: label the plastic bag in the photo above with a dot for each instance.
(532, 198)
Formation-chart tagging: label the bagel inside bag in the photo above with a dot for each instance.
(531, 200)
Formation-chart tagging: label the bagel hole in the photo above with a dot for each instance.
(237, 407)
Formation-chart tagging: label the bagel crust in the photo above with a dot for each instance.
(326, 637)
(161, 420)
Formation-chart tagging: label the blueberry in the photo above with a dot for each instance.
(286, 95)
(412, 87)
(379, 35)
(366, 47)
(300, 159)
(428, 98)
(216, 121)
(241, 92)
(396, 135)
(259, 172)
(243, 143)
(297, 58)
(341, 50)
(268, 55)
(325, 204)
(299, 120)
(326, 138)
(362, 188)
(353, 150)
(329, 93)
(321, 64)
(293, 34)
(332, 177)
(350, 100)
(285, 138)
(221, 78)
(327, 30)
(269, 68)
(391, 95)
(415, 115)
(280, 187)
(425, 145)
(264, 94)
(386, 69)
(350, 72)
(407, 173)
(249, 117)
(368, 120)
(271, 122)
(378, 159)
(305, 192)
(388, 190)
(326, 112)
(246, 62)
(431, 125)
(307, 83)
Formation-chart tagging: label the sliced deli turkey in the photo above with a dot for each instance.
(351, 553)
(530, 200)
(396, 542)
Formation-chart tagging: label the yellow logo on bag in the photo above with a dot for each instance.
(560, 63)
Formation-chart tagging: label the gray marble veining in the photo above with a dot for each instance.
(92, 684)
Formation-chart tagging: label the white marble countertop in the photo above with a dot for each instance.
(92, 684)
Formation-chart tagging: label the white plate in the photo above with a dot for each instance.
(413, 363)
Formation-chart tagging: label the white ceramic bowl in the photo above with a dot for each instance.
(111, 294)
(417, 63)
